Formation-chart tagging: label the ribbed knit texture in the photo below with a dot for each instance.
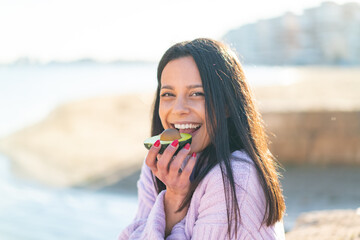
(206, 217)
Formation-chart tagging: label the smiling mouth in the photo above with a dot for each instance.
(189, 128)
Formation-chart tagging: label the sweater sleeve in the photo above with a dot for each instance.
(149, 222)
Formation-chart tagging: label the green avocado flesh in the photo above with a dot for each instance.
(185, 138)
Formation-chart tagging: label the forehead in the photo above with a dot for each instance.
(181, 71)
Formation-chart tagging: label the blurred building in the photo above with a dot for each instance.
(328, 34)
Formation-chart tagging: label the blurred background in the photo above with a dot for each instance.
(77, 79)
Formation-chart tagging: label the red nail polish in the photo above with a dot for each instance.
(187, 146)
(193, 155)
(175, 143)
(157, 143)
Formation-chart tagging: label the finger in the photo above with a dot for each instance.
(167, 156)
(186, 172)
(151, 157)
(179, 159)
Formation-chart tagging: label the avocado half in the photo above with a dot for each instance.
(185, 138)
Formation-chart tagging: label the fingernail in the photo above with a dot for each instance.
(157, 143)
(193, 155)
(175, 143)
(187, 146)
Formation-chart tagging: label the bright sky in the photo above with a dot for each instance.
(117, 29)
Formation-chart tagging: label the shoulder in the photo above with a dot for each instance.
(247, 181)
(246, 178)
(212, 190)
(242, 168)
(250, 198)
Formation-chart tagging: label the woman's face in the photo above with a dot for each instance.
(182, 101)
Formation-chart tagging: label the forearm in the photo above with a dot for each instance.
(171, 204)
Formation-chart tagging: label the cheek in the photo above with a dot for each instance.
(200, 109)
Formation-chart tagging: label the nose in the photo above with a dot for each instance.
(180, 106)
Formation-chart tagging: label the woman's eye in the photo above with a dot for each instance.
(197, 94)
(166, 94)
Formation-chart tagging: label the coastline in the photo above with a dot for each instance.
(96, 143)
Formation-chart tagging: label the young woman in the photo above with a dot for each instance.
(225, 184)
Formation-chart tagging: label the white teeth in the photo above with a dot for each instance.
(186, 126)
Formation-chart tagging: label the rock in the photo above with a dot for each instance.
(327, 225)
(321, 137)
(316, 118)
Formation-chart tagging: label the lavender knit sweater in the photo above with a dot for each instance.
(206, 217)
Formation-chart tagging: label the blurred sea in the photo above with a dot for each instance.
(31, 211)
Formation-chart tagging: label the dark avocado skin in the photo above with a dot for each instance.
(182, 144)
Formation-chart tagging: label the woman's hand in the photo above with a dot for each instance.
(166, 168)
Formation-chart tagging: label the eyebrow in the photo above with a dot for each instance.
(188, 87)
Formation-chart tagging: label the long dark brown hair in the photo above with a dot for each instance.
(233, 124)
